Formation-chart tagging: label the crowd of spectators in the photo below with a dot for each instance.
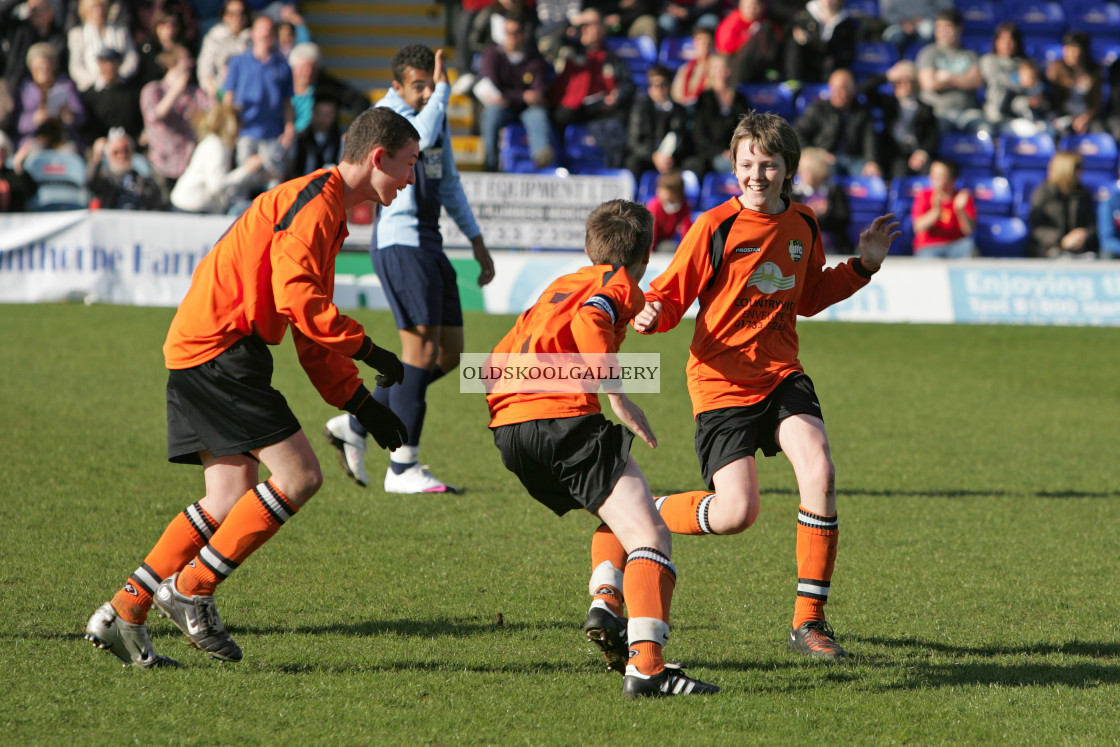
(74, 71)
(188, 105)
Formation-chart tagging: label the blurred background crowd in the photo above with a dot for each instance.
(988, 126)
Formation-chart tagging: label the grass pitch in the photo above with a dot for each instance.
(980, 525)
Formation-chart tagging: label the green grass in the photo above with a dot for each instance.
(977, 471)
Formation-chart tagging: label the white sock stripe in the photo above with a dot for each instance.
(215, 561)
(818, 522)
(815, 589)
(702, 513)
(659, 502)
(271, 501)
(605, 573)
(648, 553)
(198, 520)
(146, 578)
(647, 629)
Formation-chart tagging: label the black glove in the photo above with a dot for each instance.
(389, 365)
(385, 427)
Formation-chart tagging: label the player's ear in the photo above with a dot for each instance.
(376, 156)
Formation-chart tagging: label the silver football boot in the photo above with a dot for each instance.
(197, 617)
(128, 642)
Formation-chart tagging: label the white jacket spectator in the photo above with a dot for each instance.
(208, 184)
(224, 40)
(94, 34)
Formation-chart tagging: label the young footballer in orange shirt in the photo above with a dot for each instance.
(567, 455)
(273, 269)
(755, 263)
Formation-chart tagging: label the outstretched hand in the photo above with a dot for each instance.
(875, 242)
(633, 418)
(439, 74)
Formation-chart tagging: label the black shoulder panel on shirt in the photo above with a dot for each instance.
(718, 244)
(812, 226)
(306, 195)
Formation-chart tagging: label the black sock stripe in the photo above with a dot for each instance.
(273, 502)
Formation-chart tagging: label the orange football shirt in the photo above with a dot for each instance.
(584, 312)
(753, 274)
(274, 269)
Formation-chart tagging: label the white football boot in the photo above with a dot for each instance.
(415, 479)
(128, 642)
(351, 448)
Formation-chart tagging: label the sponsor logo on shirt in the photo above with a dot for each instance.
(768, 278)
(748, 250)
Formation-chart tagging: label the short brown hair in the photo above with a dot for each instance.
(374, 127)
(619, 232)
(772, 134)
(672, 181)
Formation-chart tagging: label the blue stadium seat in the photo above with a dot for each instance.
(980, 16)
(1098, 150)
(1099, 183)
(904, 244)
(1037, 16)
(675, 51)
(769, 97)
(1023, 185)
(862, 8)
(639, 53)
(1095, 16)
(873, 58)
(807, 94)
(716, 188)
(1018, 153)
(1105, 49)
(979, 42)
(866, 194)
(581, 150)
(902, 192)
(1043, 50)
(1000, 236)
(513, 148)
(992, 194)
(974, 153)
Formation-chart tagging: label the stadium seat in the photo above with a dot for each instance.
(675, 51)
(1037, 16)
(61, 176)
(866, 194)
(647, 185)
(980, 16)
(862, 8)
(1018, 153)
(807, 94)
(639, 53)
(974, 153)
(1095, 16)
(1099, 183)
(1043, 50)
(873, 58)
(1001, 236)
(904, 244)
(581, 150)
(858, 223)
(513, 147)
(903, 189)
(1098, 150)
(992, 194)
(716, 188)
(1105, 50)
(978, 42)
(769, 97)
(1023, 185)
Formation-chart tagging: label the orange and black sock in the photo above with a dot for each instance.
(686, 513)
(608, 558)
(255, 517)
(649, 581)
(184, 536)
(817, 537)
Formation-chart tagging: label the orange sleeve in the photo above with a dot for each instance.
(303, 286)
(687, 274)
(334, 376)
(825, 286)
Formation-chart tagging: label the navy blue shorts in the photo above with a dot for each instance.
(420, 286)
